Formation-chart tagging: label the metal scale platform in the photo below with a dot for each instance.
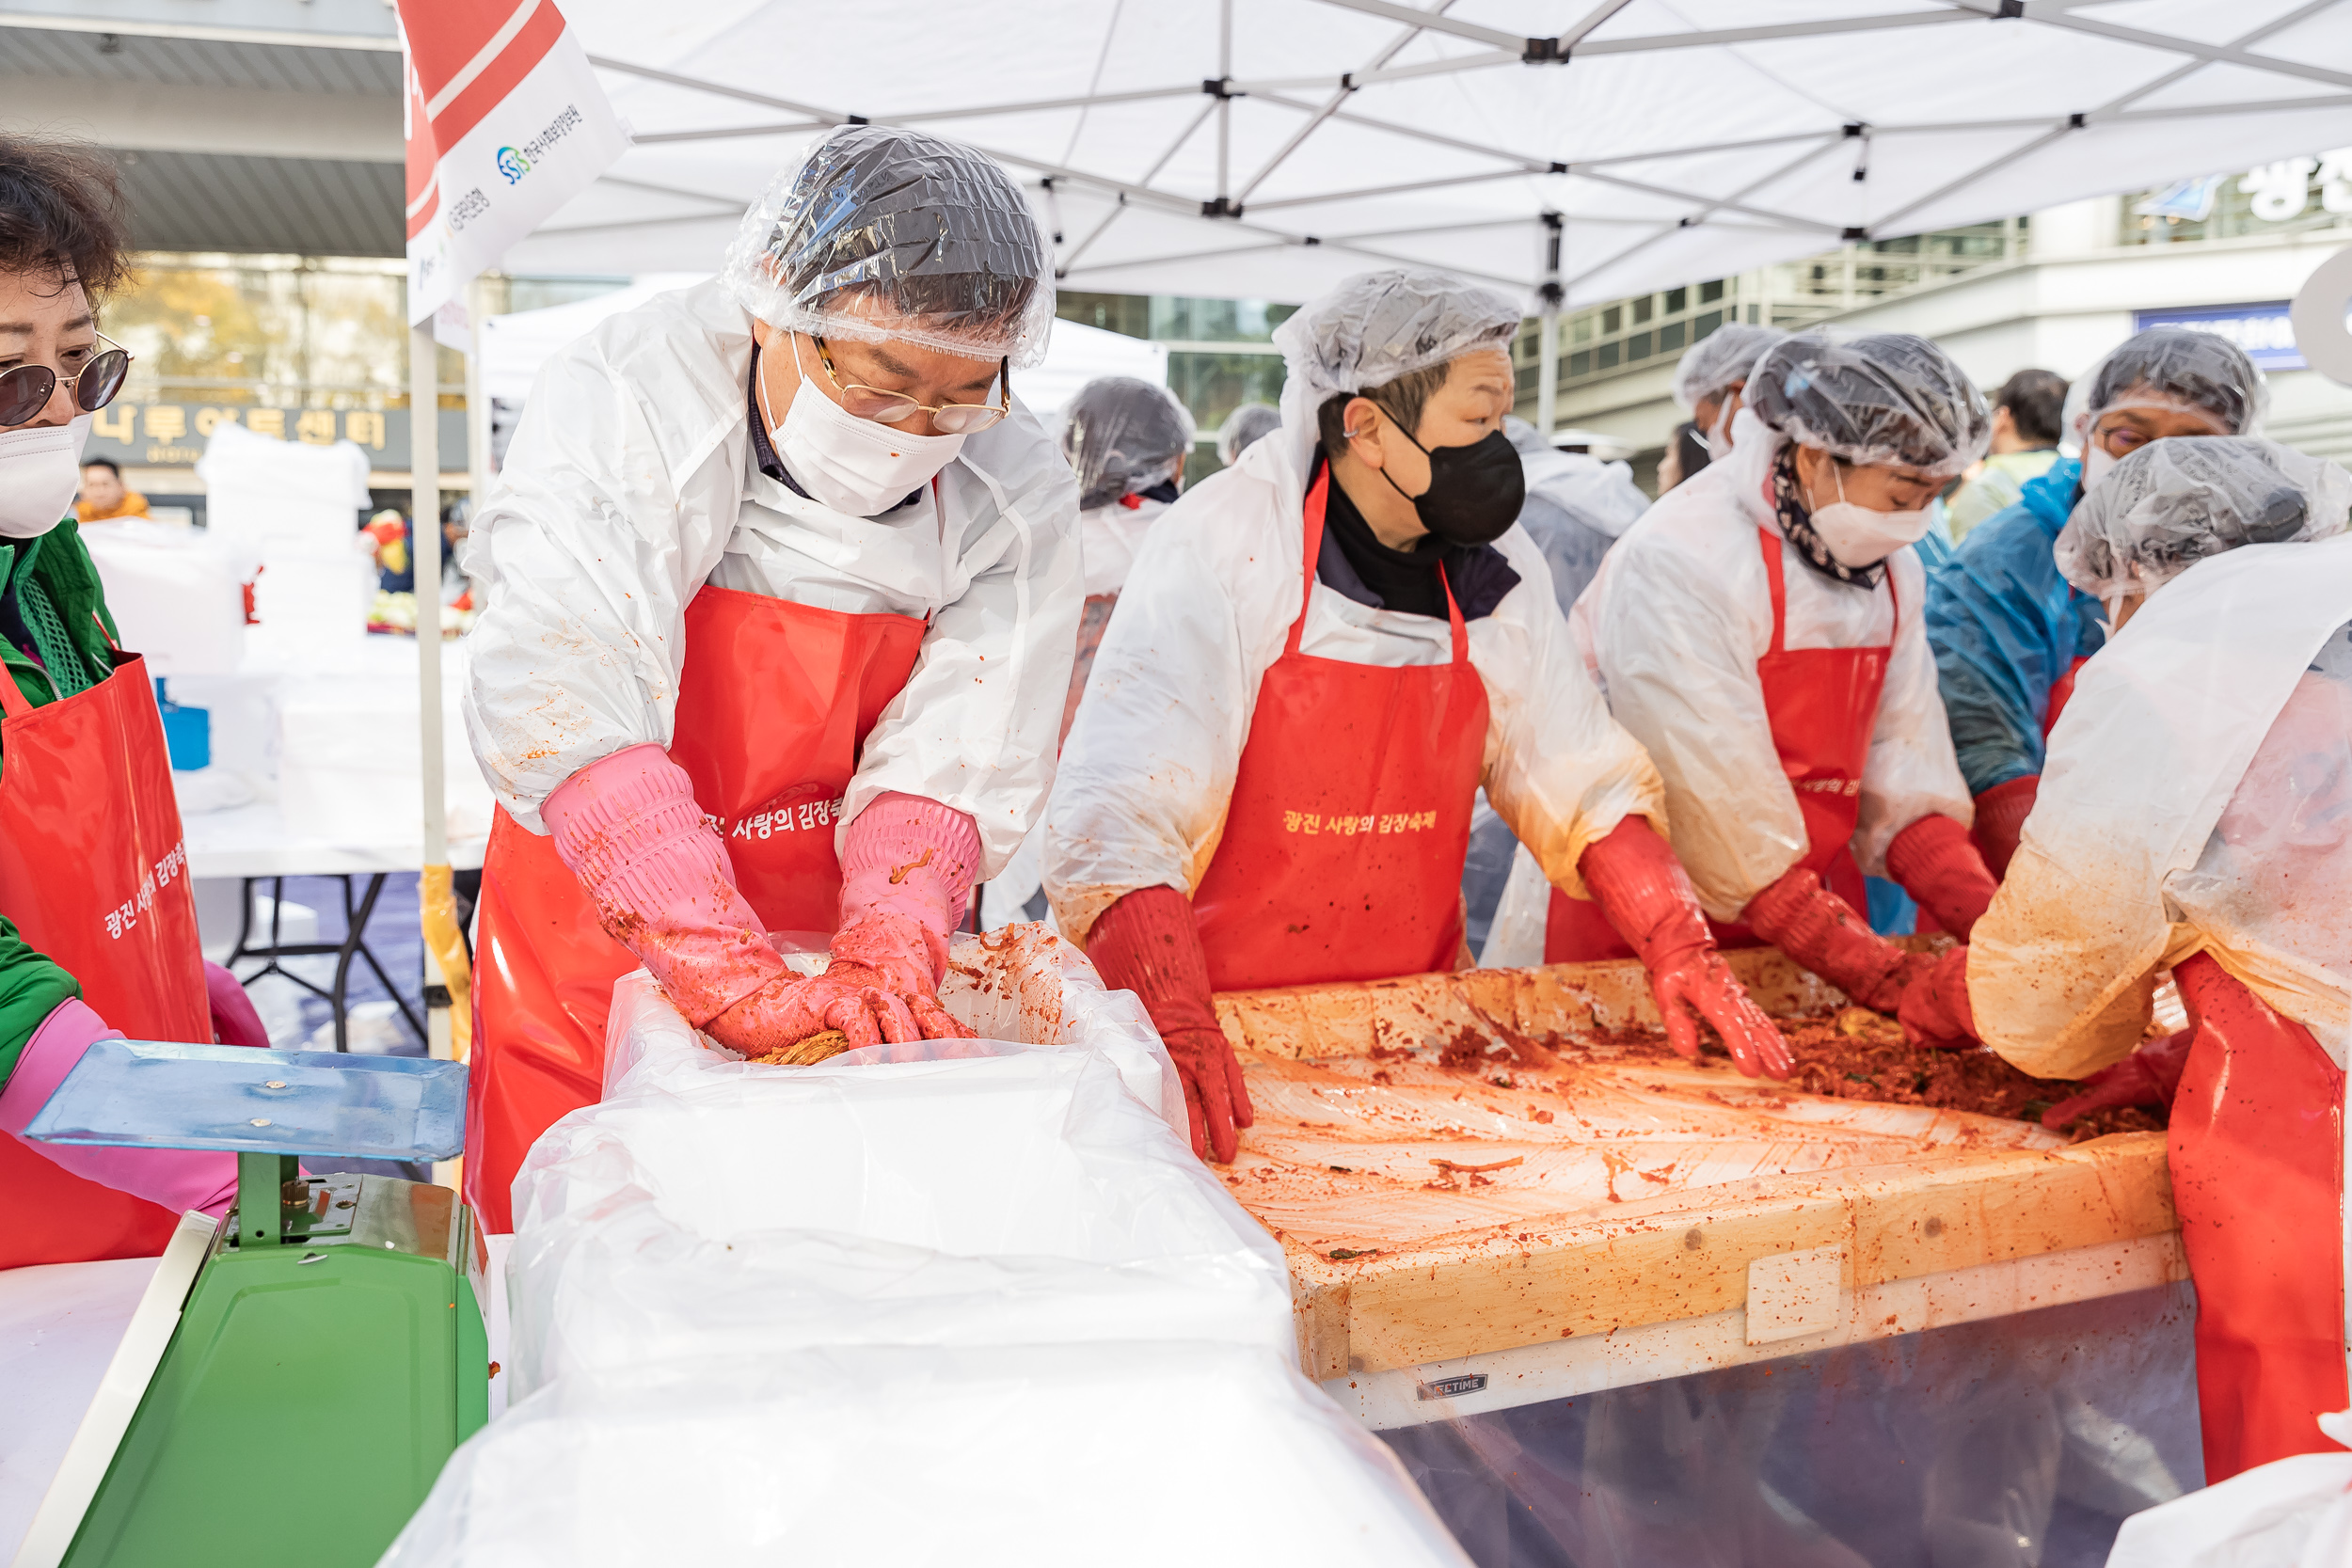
(297, 1373)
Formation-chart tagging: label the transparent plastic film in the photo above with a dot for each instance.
(2172, 503)
(1122, 436)
(1884, 399)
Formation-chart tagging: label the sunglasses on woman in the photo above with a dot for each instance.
(948, 418)
(26, 391)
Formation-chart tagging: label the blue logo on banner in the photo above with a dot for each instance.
(515, 165)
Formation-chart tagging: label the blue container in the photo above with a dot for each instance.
(187, 733)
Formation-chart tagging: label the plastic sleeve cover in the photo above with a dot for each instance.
(1911, 771)
(1148, 944)
(2005, 628)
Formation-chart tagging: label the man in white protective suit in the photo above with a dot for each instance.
(2195, 814)
(1321, 656)
(783, 585)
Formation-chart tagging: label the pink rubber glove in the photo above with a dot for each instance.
(1634, 878)
(234, 1021)
(178, 1178)
(1146, 943)
(658, 872)
(907, 865)
(791, 1007)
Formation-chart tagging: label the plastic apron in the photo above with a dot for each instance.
(85, 784)
(1342, 848)
(1823, 705)
(774, 701)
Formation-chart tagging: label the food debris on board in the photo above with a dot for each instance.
(1356, 1155)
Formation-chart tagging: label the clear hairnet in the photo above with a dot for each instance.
(2172, 503)
(1121, 436)
(892, 236)
(2170, 367)
(1244, 425)
(1888, 400)
(1376, 326)
(1724, 356)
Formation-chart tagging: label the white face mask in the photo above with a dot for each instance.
(40, 469)
(2097, 463)
(1718, 441)
(1858, 536)
(861, 466)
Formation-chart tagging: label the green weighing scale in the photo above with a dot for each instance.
(297, 1373)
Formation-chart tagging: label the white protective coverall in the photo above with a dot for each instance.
(1149, 765)
(1674, 626)
(633, 485)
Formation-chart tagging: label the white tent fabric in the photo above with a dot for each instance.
(1676, 139)
(1076, 355)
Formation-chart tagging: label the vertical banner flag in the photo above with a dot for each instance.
(505, 124)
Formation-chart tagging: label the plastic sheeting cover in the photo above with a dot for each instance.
(761, 1309)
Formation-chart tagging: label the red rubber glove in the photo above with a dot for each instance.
(2149, 1076)
(1146, 943)
(907, 865)
(1634, 878)
(1937, 862)
(2001, 814)
(1934, 1012)
(1822, 931)
(659, 875)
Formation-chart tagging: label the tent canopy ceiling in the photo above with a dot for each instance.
(1198, 147)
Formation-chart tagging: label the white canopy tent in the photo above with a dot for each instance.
(1197, 147)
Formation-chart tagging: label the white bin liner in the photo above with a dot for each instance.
(980, 1305)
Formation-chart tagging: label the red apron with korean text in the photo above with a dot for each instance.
(2256, 1147)
(774, 703)
(93, 873)
(1341, 855)
(1822, 704)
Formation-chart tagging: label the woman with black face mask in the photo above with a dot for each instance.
(1313, 670)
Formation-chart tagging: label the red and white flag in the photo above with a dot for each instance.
(505, 124)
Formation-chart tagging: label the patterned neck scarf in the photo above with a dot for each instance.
(1796, 522)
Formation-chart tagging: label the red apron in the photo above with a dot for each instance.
(1822, 704)
(774, 701)
(2256, 1149)
(94, 872)
(1343, 848)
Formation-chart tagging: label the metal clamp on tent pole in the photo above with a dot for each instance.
(1544, 52)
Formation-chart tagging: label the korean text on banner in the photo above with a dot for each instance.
(505, 124)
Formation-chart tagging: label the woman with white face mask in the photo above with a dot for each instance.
(783, 587)
(1759, 631)
(2009, 631)
(98, 933)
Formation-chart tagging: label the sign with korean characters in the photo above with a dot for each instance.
(174, 435)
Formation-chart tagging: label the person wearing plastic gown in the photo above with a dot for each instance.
(1127, 441)
(783, 585)
(2009, 631)
(1323, 653)
(2196, 815)
(1243, 428)
(1760, 633)
(112, 946)
(1577, 506)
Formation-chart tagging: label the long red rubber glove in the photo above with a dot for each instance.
(1822, 931)
(1146, 943)
(907, 865)
(1934, 1009)
(2001, 814)
(1634, 878)
(2149, 1076)
(659, 875)
(1937, 862)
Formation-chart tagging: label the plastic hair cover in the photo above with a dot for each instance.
(1889, 399)
(2172, 503)
(2170, 367)
(1244, 425)
(1721, 358)
(1376, 326)
(1121, 436)
(892, 236)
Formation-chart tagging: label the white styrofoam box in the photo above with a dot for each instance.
(177, 597)
(291, 494)
(350, 752)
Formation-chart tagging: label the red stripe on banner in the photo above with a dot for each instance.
(501, 77)
(424, 165)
